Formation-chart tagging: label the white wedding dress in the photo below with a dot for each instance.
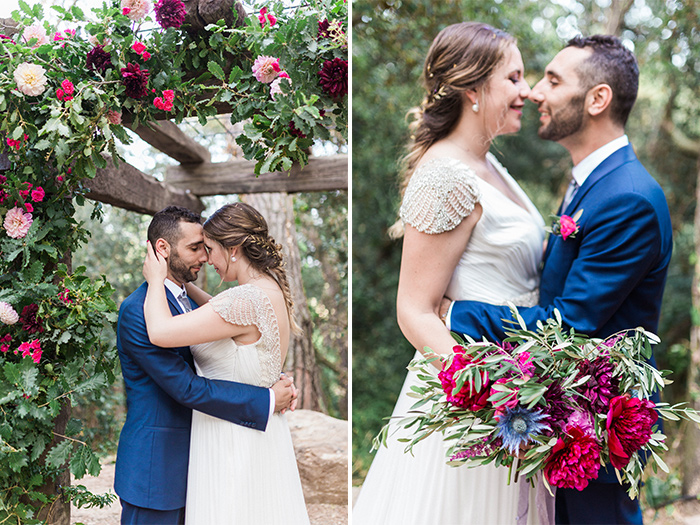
(239, 475)
(500, 264)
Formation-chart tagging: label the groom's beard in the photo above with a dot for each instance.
(180, 270)
(564, 122)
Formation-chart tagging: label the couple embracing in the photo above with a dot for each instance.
(205, 439)
(472, 235)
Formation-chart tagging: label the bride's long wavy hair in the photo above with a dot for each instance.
(463, 56)
(241, 225)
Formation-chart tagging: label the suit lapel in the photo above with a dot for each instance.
(614, 161)
(175, 307)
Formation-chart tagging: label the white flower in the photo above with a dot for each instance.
(7, 313)
(35, 31)
(30, 79)
(137, 8)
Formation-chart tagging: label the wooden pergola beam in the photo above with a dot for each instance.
(126, 187)
(238, 176)
(170, 139)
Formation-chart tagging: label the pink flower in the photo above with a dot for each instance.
(16, 144)
(35, 31)
(8, 315)
(65, 296)
(25, 348)
(28, 207)
(574, 462)
(146, 56)
(60, 94)
(139, 47)
(5, 340)
(266, 68)
(567, 226)
(163, 104)
(68, 87)
(57, 37)
(17, 223)
(126, 11)
(629, 427)
(467, 397)
(135, 9)
(275, 88)
(25, 193)
(114, 117)
(265, 17)
(170, 13)
(168, 95)
(38, 194)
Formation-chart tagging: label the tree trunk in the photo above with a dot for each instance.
(278, 210)
(691, 441)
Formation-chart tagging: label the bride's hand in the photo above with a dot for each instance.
(155, 266)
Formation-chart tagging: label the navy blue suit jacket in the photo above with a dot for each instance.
(162, 388)
(611, 275)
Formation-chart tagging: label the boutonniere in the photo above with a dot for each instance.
(565, 226)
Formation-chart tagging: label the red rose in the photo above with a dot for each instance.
(629, 427)
(466, 397)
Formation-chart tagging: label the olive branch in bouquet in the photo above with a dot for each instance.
(550, 400)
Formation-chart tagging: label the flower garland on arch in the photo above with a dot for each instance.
(66, 90)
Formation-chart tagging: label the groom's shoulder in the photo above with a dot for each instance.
(135, 299)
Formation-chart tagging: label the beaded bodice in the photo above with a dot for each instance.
(258, 363)
(501, 260)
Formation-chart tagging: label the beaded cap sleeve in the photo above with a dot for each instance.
(247, 305)
(439, 195)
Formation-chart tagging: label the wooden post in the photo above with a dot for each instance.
(301, 358)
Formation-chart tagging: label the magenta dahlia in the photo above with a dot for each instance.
(629, 426)
(574, 462)
(170, 13)
(323, 31)
(601, 387)
(468, 396)
(333, 77)
(98, 60)
(557, 406)
(135, 80)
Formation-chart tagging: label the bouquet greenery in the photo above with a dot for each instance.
(546, 401)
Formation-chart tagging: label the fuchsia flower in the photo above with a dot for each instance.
(568, 226)
(265, 17)
(170, 13)
(266, 68)
(333, 77)
(7, 340)
(468, 396)
(17, 223)
(166, 101)
(31, 349)
(139, 47)
(510, 401)
(629, 426)
(65, 296)
(574, 462)
(38, 194)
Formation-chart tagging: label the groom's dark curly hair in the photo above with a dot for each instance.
(613, 64)
(166, 224)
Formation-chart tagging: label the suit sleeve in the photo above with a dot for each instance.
(619, 246)
(239, 403)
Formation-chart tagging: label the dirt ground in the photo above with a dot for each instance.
(318, 514)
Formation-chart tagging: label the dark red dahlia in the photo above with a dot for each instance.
(170, 13)
(467, 396)
(557, 406)
(98, 60)
(135, 80)
(629, 425)
(30, 323)
(333, 77)
(601, 387)
(295, 131)
(323, 26)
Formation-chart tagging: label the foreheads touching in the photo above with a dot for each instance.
(611, 63)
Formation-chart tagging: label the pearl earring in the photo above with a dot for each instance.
(233, 258)
(475, 107)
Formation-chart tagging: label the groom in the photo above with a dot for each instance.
(162, 388)
(611, 275)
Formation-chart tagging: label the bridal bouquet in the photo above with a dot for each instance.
(548, 401)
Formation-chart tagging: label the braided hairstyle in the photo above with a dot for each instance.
(463, 56)
(241, 225)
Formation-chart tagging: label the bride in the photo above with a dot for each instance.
(469, 232)
(236, 474)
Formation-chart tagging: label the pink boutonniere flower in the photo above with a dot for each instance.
(565, 226)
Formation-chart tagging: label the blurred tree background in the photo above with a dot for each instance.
(390, 40)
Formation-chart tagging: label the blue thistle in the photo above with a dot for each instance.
(517, 425)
